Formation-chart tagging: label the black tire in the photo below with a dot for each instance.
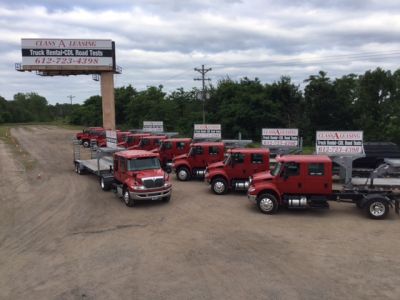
(183, 174)
(127, 198)
(377, 208)
(80, 171)
(86, 143)
(166, 198)
(267, 204)
(219, 186)
(105, 186)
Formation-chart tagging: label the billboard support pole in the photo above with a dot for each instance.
(108, 101)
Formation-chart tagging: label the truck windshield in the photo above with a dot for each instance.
(277, 169)
(143, 164)
(129, 139)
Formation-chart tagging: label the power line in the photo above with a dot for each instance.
(203, 72)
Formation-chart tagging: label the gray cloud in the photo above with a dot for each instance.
(160, 42)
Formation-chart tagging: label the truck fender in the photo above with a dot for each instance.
(271, 189)
(177, 167)
(369, 197)
(221, 175)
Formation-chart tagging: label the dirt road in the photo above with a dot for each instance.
(62, 237)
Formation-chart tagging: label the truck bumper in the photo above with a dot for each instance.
(252, 198)
(151, 195)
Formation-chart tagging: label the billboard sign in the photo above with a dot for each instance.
(280, 137)
(339, 143)
(153, 126)
(111, 136)
(207, 131)
(67, 54)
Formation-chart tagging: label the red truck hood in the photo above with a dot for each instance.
(147, 173)
(266, 175)
(182, 156)
(216, 165)
(155, 150)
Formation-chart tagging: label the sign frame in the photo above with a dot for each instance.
(340, 143)
(207, 131)
(280, 137)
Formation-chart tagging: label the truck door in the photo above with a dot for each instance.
(257, 163)
(167, 151)
(122, 169)
(290, 180)
(198, 157)
(316, 180)
(237, 169)
(213, 154)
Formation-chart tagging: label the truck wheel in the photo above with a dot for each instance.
(267, 204)
(219, 186)
(105, 186)
(127, 198)
(86, 143)
(377, 208)
(183, 174)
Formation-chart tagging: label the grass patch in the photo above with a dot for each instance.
(20, 154)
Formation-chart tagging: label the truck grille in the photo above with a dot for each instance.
(153, 182)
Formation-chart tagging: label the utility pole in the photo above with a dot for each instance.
(70, 98)
(203, 72)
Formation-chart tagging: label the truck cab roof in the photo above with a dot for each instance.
(249, 150)
(304, 158)
(131, 154)
(217, 144)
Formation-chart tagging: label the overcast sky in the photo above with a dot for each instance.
(160, 42)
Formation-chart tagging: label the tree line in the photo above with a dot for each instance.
(368, 102)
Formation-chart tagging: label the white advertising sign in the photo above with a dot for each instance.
(153, 126)
(111, 136)
(67, 52)
(207, 131)
(339, 143)
(280, 137)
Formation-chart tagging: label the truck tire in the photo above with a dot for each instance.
(105, 186)
(267, 204)
(377, 208)
(86, 143)
(183, 174)
(219, 186)
(127, 198)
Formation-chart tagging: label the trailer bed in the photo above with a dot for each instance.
(378, 182)
(91, 164)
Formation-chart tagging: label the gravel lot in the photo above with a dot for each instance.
(62, 237)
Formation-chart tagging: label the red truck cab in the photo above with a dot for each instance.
(138, 176)
(233, 173)
(132, 139)
(170, 148)
(194, 163)
(149, 142)
(88, 134)
(297, 181)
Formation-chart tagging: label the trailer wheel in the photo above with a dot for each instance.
(377, 208)
(105, 186)
(80, 170)
(219, 186)
(267, 204)
(86, 143)
(127, 198)
(183, 174)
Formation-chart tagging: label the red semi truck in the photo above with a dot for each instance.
(171, 148)
(132, 139)
(305, 181)
(194, 163)
(134, 175)
(233, 173)
(88, 134)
